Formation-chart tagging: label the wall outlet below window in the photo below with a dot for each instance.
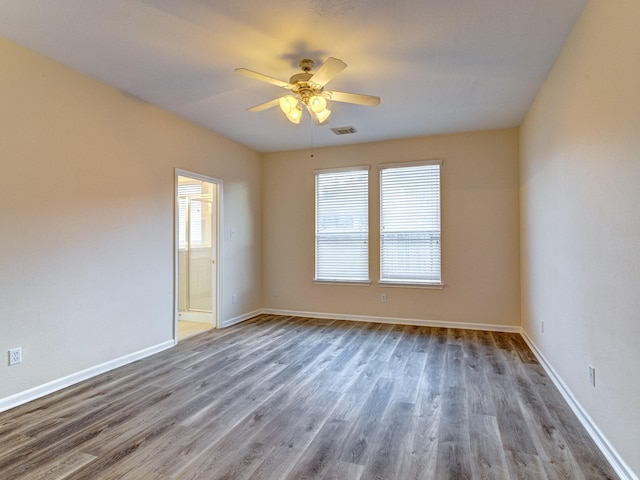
(383, 298)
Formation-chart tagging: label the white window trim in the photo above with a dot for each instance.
(355, 283)
(342, 281)
(408, 284)
(418, 163)
(341, 169)
(434, 286)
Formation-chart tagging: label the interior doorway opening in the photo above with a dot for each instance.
(197, 241)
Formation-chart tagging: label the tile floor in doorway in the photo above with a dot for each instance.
(188, 329)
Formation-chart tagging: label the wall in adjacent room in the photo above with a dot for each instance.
(480, 243)
(580, 213)
(87, 212)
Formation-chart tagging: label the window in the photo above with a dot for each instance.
(342, 225)
(410, 223)
(185, 202)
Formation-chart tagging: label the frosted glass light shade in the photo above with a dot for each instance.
(288, 103)
(318, 103)
(295, 114)
(323, 115)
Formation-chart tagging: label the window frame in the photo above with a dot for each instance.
(410, 282)
(184, 193)
(338, 279)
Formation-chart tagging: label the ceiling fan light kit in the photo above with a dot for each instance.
(289, 105)
(318, 103)
(308, 89)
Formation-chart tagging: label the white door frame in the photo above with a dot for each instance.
(217, 222)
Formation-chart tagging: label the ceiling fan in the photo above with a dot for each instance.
(308, 89)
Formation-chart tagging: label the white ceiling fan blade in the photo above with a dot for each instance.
(264, 106)
(327, 71)
(368, 100)
(263, 78)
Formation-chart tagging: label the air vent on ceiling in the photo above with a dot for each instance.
(343, 130)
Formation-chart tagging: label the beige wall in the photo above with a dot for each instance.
(479, 231)
(86, 210)
(580, 211)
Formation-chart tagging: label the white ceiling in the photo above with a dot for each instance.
(440, 66)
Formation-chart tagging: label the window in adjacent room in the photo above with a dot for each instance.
(187, 191)
(342, 225)
(410, 223)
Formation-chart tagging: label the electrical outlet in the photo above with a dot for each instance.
(233, 298)
(383, 298)
(542, 326)
(15, 356)
(592, 376)
(274, 293)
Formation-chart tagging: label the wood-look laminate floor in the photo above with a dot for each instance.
(289, 398)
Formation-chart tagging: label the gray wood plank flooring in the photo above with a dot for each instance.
(282, 397)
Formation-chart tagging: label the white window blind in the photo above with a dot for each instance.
(410, 223)
(342, 225)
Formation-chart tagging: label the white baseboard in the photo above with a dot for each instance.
(618, 464)
(58, 384)
(55, 385)
(396, 321)
(240, 318)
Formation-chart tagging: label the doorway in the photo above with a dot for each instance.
(197, 253)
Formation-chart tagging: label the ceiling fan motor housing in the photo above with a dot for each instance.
(300, 77)
(306, 65)
(303, 87)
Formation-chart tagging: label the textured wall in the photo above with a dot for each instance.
(480, 265)
(87, 211)
(580, 211)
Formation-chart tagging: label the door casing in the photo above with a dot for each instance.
(217, 248)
